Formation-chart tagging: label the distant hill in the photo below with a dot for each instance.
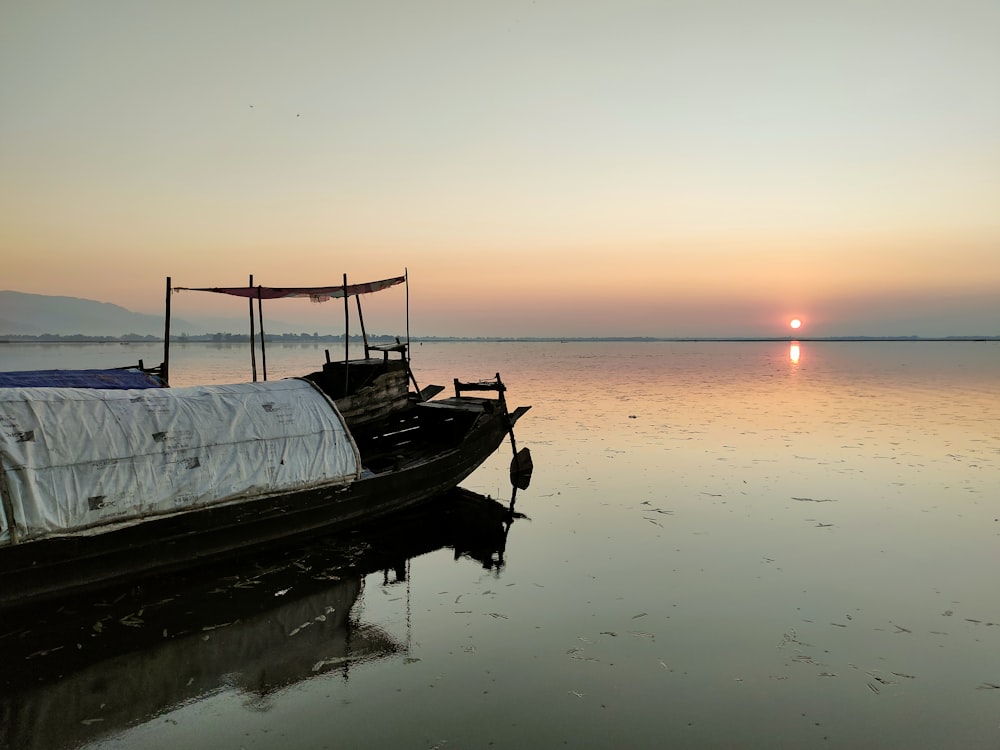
(23, 314)
(36, 314)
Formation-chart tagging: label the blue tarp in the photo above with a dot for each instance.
(124, 379)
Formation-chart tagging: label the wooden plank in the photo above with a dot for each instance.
(426, 394)
(471, 405)
(388, 347)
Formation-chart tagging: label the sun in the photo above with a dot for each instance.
(795, 323)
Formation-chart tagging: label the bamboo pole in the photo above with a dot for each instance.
(165, 367)
(413, 378)
(406, 275)
(347, 336)
(260, 317)
(361, 319)
(253, 335)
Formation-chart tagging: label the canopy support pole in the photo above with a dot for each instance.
(253, 336)
(347, 336)
(165, 367)
(406, 275)
(260, 317)
(361, 319)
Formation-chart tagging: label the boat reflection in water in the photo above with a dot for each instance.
(76, 672)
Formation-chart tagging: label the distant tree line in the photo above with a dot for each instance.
(294, 338)
(71, 338)
(219, 337)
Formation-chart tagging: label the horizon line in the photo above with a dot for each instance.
(204, 338)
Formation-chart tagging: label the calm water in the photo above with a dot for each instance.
(727, 545)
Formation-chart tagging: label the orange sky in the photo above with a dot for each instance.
(543, 169)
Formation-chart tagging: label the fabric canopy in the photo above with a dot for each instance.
(315, 293)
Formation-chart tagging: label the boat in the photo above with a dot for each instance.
(122, 476)
(79, 670)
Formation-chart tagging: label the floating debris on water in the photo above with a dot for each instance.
(299, 628)
(879, 679)
(791, 637)
(216, 627)
(132, 621)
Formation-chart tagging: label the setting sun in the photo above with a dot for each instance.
(795, 323)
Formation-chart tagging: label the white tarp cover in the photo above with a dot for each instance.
(74, 458)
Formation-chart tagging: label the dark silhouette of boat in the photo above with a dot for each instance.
(109, 480)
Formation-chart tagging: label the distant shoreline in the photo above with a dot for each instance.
(332, 339)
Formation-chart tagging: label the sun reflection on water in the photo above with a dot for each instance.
(794, 353)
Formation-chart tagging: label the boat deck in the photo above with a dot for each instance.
(464, 403)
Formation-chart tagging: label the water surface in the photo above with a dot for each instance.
(728, 545)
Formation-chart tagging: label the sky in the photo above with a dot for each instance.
(541, 168)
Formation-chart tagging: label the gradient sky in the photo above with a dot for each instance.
(671, 168)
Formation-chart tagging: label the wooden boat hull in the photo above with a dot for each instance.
(462, 437)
